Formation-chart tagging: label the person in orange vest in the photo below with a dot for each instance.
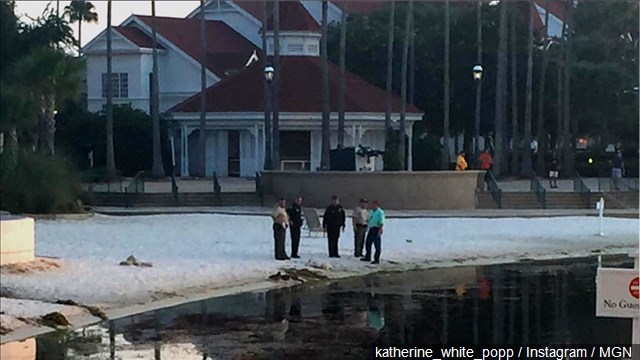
(461, 163)
(485, 160)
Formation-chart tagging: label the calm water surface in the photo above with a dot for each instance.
(531, 303)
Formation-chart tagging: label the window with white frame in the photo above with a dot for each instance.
(222, 5)
(312, 49)
(120, 83)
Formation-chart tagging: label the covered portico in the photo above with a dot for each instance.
(236, 141)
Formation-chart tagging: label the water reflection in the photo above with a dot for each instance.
(531, 303)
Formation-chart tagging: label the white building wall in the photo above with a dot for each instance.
(211, 152)
(121, 63)
(222, 156)
(247, 154)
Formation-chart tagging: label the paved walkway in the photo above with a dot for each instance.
(265, 211)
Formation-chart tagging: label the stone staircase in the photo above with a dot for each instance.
(558, 200)
(167, 199)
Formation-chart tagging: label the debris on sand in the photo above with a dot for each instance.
(55, 320)
(132, 261)
(37, 265)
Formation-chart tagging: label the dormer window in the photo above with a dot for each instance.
(295, 48)
(312, 49)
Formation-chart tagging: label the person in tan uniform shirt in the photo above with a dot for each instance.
(360, 219)
(280, 225)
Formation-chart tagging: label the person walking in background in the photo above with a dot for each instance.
(553, 172)
(280, 225)
(461, 162)
(360, 219)
(485, 160)
(295, 218)
(374, 237)
(332, 221)
(617, 169)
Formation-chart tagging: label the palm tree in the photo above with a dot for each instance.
(343, 80)
(157, 170)
(546, 43)
(412, 61)
(403, 89)
(526, 159)
(476, 132)
(49, 77)
(266, 90)
(17, 111)
(445, 131)
(81, 11)
(387, 115)
(276, 84)
(515, 127)
(570, 130)
(326, 130)
(111, 159)
(559, 135)
(202, 141)
(501, 69)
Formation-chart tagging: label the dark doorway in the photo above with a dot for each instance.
(233, 153)
(295, 150)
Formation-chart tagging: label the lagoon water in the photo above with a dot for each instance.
(550, 302)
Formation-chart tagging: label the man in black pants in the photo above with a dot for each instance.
(374, 237)
(332, 221)
(280, 225)
(295, 217)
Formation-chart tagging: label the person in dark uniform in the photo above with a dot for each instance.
(295, 218)
(332, 221)
(280, 225)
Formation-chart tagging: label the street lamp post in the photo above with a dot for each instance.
(268, 152)
(477, 76)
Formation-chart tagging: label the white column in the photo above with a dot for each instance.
(353, 135)
(410, 155)
(256, 133)
(360, 132)
(183, 146)
(186, 151)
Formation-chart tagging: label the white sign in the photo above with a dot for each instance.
(617, 293)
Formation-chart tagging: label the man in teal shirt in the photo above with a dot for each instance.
(374, 237)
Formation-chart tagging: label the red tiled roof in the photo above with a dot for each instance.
(227, 50)
(136, 36)
(294, 17)
(300, 91)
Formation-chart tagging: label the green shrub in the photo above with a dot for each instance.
(38, 184)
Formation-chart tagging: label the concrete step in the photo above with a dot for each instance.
(166, 199)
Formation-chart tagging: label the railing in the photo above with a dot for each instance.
(135, 187)
(494, 189)
(538, 190)
(259, 190)
(624, 184)
(581, 188)
(217, 189)
(106, 187)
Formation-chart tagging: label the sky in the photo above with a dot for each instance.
(120, 9)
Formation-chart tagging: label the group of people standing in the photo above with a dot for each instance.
(367, 228)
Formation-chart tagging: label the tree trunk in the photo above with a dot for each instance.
(559, 140)
(343, 80)
(403, 88)
(79, 38)
(157, 170)
(526, 162)
(445, 132)
(387, 115)
(326, 129)
(202, 141)
(476, 132)
(542, 138)
(276, 84)
(111, 160)
(569, 128)
(47, 125)
(498, 157)
(412, 61)
(515, 127)
(267, 93)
